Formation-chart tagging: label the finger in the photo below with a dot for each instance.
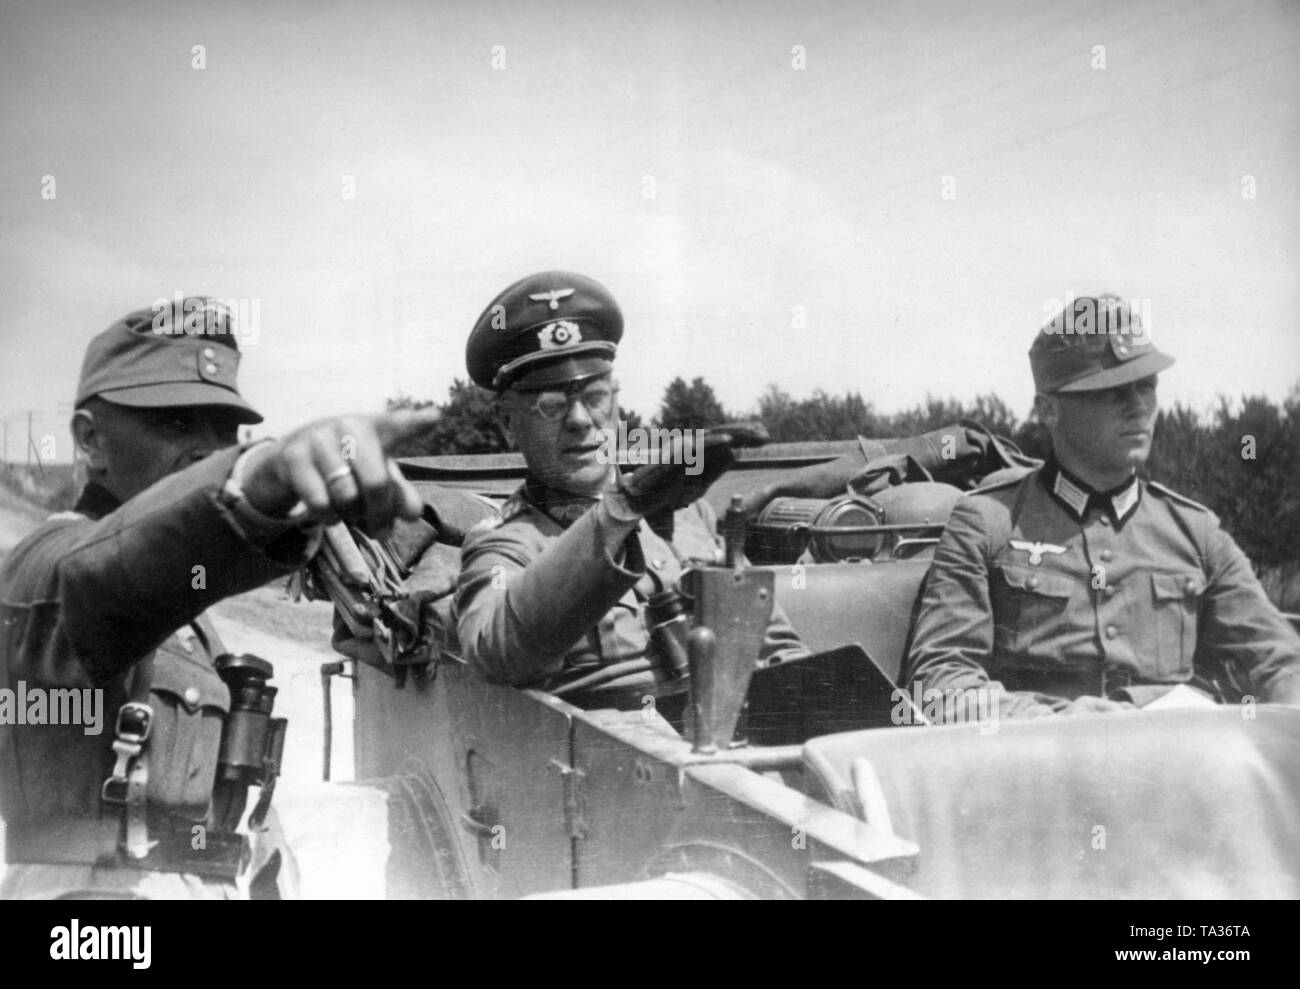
(301, 513)
(305, 479)
(717, 442)
(742, 434)
(717, 457)
(398, 427)
(407, 500)
(370, 468)
(336, 475)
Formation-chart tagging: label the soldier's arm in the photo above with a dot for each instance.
(952, 641)
(1240, 627)
(127, 581)
(221, 527)
(517, 615)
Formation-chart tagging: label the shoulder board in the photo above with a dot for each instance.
(1009, 480)
(1183, 500)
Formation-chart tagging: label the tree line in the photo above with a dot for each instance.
(1241, 459)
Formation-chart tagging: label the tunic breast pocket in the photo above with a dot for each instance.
(1176, 602)
(1029, 607)
(190, 703)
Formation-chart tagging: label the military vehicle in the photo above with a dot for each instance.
(816, 782)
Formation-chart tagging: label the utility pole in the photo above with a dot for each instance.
(31, 449)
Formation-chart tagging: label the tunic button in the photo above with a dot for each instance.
(210, 368)
(209, 353)
(1106, 556)
(1105, 520)
(657, 564)
(1032, 583)
(1190, 586)
(1110, 590)
(191, 696)
(1111, 631)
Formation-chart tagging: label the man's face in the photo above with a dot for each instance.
(563, 452)
(135, 448)
(1102, 433)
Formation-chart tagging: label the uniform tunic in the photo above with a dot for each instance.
(1050, 591)
(540, 602)
(83, 600)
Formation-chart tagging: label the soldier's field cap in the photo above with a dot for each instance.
(1094, 343)
(175, 354)
(544, 330)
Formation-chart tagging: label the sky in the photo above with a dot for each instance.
(885, 198)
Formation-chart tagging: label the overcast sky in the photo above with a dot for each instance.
(892, 217)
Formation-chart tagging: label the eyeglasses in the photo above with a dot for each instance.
(553, 404)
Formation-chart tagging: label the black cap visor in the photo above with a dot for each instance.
(551, 371)
(181, 393)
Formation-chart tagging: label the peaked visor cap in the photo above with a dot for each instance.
(544, 330)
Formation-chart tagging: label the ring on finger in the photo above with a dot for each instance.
(338, 474)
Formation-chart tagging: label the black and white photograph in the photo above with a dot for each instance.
(652, 451)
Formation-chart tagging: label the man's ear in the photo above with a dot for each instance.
(89, 440)
(1048, 409)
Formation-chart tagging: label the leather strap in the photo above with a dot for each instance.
(128, 785)
(137, 843)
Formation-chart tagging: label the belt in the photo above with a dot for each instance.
(1115, 682)
(1116, 678)
(98, 842)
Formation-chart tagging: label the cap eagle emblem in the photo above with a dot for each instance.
(553, 297)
